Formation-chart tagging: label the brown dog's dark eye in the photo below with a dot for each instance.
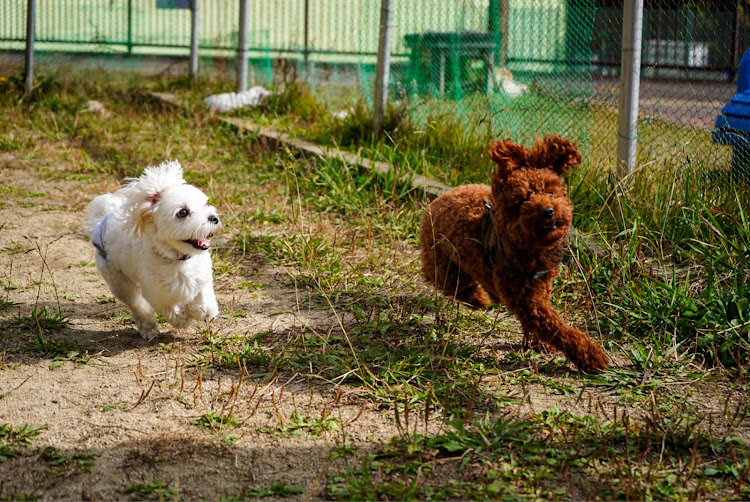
(183, 213)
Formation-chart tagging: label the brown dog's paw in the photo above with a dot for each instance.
(591, 360)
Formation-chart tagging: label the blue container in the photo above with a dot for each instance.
(732, 127)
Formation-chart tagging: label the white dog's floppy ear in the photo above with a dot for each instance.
(139, 211)
(144, 192)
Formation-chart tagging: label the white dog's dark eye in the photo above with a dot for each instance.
(183, 213)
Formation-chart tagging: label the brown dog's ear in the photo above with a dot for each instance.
(508, 156)
(555, 153)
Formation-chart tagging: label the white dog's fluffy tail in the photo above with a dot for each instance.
(100, 207)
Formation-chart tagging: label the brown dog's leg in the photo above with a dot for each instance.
(549, 328)
(454, 283)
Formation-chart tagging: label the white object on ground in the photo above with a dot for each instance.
(511, 88)
(98, 108)
(229, 101)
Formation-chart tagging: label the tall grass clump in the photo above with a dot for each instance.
(674, 267)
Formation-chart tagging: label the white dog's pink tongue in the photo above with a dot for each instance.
(204, 243)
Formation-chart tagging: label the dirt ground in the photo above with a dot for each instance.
(114, 411)
(117, 416)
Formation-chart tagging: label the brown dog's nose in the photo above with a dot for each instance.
(548, 212)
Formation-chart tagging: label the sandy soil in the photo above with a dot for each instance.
(118, 415)
(115, 416)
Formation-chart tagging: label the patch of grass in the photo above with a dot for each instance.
(59, 351)
(116, 406)
(5, 365)
(17, 248)
(278, 489)
(300, 424)
(217, 425)
(157, 490)
(674, 270)
(251, 285)
(18, 497)
(213, 421)
(104, 299)
(264, 216)
(13, 437)
(548, 455)
(7, 303)
(76, 462)
(41, 320)
(233, 351)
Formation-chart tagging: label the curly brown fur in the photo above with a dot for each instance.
(530, 219)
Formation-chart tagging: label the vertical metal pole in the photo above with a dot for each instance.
(29, 60)
(504, 30)
(307, 32)
(382, 68)
(494, 17)
(627, 132)
(242, 48)
(194, 32)
(130, 26)
(734, 57)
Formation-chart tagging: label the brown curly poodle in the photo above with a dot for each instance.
(504, 243)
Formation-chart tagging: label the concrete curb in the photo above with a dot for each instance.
(431, 188)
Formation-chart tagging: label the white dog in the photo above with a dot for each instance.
(152, 238)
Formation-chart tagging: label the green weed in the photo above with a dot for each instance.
(59, 351)
(157, 490)
(217, 425)
(113, 407)
(233, 351)
(300, 424)
(278, 489)
(12, 437)
(41, 320)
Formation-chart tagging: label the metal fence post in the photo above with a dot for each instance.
(194, 31)
(307, 33)
(383, 68)
(130, 26)
(734, 56)
(242, 48)
(627, 132)
(29, 59)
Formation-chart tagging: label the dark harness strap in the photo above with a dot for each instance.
(97, 236)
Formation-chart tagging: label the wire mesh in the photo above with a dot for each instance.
(501, 68)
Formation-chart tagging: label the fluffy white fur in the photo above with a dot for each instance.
(153, 247)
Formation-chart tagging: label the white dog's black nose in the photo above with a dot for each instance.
(214, 219)
(548, 212)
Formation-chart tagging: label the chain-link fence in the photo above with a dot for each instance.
(517, 68)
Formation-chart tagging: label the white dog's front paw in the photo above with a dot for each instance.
(148, 328)
(211, 311)
(204, 311)
(178, 318)
(149, 334)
